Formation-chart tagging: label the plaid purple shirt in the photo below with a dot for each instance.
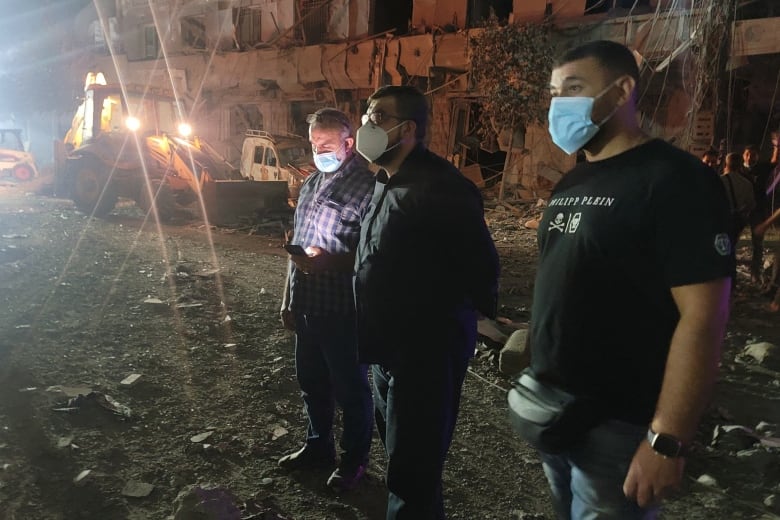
(330, 207)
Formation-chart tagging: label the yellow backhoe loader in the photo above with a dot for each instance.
(132, 143)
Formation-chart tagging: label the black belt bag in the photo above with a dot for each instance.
(550, 419)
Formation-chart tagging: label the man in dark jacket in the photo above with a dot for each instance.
(425, 267)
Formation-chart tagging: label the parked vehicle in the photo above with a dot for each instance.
(132, 143)
(15, 161)
(274, 157)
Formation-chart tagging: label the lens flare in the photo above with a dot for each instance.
(132, 123)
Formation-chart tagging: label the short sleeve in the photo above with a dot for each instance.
(690, 222)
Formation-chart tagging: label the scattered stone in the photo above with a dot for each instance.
(64, 442)
(489, 329)
(765, 354)
(267, 481)
(772, 503)
(515, 356)
(137, 489)
(70, 391)
(155, 302)
(188, 305)
(202, 436)
(707, 480)
(130, 380)
(279, 431)
(765, 427)
(733, 437)
(81, 477)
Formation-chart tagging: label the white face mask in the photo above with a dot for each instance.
(371, 141)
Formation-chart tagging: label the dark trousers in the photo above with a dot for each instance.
(328, 371)
(416, 407)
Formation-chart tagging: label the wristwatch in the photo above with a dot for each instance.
(665, 444)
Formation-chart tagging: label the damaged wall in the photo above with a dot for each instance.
(228, 91)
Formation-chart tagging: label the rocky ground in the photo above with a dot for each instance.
(143, 371)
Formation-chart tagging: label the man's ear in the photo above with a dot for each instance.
(349, 143)
(410, 129)
(626, 86)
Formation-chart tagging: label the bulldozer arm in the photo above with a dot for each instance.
(228, 201)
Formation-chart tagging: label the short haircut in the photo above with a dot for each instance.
(330, 119)
(733, 161)
(753, 148)
(613, 57)
(709, 153)
(410, 102)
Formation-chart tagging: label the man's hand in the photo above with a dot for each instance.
(651, 476)
(317, 260)
(288, 320)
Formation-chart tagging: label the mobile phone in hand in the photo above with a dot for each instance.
(295, 249)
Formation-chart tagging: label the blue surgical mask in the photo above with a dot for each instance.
(570, 121)
(327, 162)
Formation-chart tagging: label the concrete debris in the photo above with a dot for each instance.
(70, 391)
(772, 503)
(488, 328)
(81, 477)
(707, 480)
(515, 356)
(202, 436)
(278, 432)
(765, 354)
(137, 489)
(130, 380)
(733, 437)
(99, 398)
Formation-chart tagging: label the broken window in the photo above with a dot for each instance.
(247, 23)
(314, 20)
(151, 42)
(193, 31)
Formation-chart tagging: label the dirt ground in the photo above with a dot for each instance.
(194, 310)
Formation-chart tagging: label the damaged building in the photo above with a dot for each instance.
(237, 65)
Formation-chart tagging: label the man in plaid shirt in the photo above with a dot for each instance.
(318, 302)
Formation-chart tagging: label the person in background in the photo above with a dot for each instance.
(426, 266)
(710, 158)
(318, 303)
(739, 191)
(629, 307)
(759, 173)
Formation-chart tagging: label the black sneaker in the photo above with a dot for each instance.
(308, 458)
(346, 476)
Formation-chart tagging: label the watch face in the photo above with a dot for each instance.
(667, 445)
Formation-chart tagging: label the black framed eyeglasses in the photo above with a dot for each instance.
(376, 117)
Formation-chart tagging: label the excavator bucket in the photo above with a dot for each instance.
(228, 202)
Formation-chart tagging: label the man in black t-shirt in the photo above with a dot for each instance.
(631, 295)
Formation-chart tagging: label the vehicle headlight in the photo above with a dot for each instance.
(185, 129)
(132, 123)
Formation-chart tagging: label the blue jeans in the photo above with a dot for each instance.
(587, 481)
(328, 371)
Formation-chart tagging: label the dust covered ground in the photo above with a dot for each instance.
(194, 311)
